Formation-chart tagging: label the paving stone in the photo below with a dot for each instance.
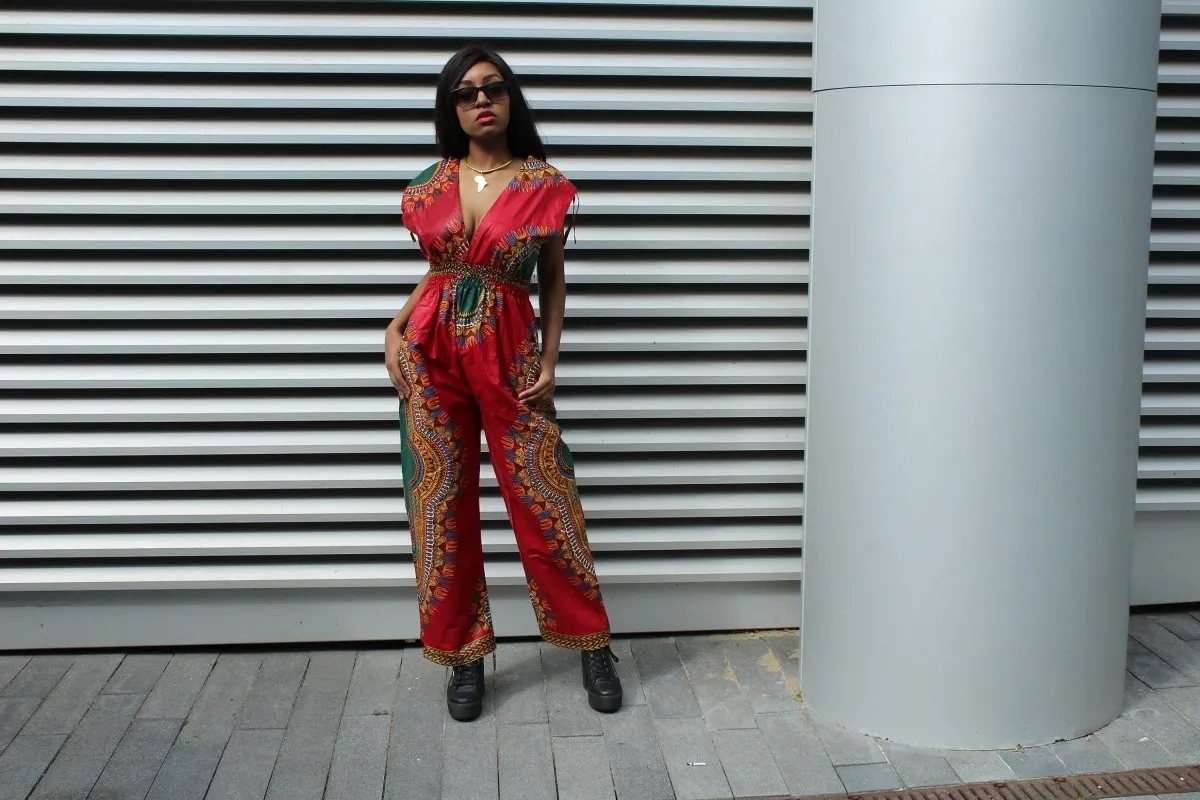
(1185, 626)
(631, 681)
(414, 767)
(191, 762)
(420, 678)
(566, 700)
(1038, 762)
(302, 767)
(869, 777)
(176, 690)
(82, 758)
(72, 696)
(271, 698)
(634, 758)
(138, 674)
(799, 753)
(10, 667)
(768, 678)
(1185, 701)
(14, 713)
(360, 758)
(581, 769)
(977, 766)
(133, 767)
(1086, 755)
(374, 682)
(246, 765)
(1126, 740)
(221, 698)
(846, 747)
(38, 677)
(691, 758)
(1134, 646)
(715, 684)
(1165, 725)
(526, 761)
(22, 764)
(1176, 652)
(664, 681)
(520, 686)
(919, 767)
(471, 748)
(749, 766)
(1155, 672)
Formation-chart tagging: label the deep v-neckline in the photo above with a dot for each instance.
(462, 216)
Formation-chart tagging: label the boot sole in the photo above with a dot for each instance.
(465, 712)
(604, 704)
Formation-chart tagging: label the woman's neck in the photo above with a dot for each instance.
(488, 155)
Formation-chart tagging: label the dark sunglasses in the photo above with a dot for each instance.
(465, 97)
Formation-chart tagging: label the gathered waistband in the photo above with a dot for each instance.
(465, 269)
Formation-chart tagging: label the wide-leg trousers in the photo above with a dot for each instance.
(470, 347)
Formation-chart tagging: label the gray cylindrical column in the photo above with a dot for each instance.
(982, 183)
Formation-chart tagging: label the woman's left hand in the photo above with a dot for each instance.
(541, 394)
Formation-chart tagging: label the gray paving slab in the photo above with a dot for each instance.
(566, 699)
(664, 682)
(919, 767)
(271, 698)
(221, 698)
(1164, 724)
(191, 762)
(1176, 652)
(302, 768)
(634, 758)
(1185, 701)
(799, 753)
(869, 777)
(22, 764)
(1184, 625)
(975, 766)
(137, 760)
(1126, 740)
(137, 674)
(520, 685)
(1155, 672)
(421, 679)
(631, 681)
(177, 688)
(10, 667)
(82, 757)
(72, 696)
(691, 759)
(1038, 762)
(715, 684)
(749, 766)
(846, 747)
(38, 677)
(526, 761)
(14, 713)
(581, 769)
(1086, 755)
(360, 757)
(471, 749)
(246, 765)
(374, 683)
(414, 765)
(767, 677)
(1134, 646)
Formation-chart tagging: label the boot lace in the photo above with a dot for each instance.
(600, 663)
(463, 675)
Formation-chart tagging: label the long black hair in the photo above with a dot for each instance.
(523, 138)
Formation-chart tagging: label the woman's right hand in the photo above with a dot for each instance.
(393, 340)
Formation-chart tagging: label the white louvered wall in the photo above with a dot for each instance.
(202, 246)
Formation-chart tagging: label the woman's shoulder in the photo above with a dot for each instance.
(431, 175)
(540, 172)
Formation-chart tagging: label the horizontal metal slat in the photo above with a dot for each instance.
(668, 504)
(633, 440)
(598, 403)
(1166, 339)
(776, 371)
(674, 569)
(1169, 274)
(254, 341)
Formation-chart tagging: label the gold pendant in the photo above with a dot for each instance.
(480, 182)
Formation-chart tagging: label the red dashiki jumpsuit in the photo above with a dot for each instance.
(469, 348)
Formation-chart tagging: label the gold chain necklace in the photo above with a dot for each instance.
(480, 181)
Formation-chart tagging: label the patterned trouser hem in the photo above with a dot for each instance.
(464, 655)
(592, 641)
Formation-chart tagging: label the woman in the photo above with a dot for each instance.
(463, 354)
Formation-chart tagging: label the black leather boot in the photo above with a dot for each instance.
(601, 680)
(464, 693)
